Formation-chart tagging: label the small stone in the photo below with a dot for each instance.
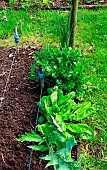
(5, 18)
(30, 53)
(11, 55)
(2, 98)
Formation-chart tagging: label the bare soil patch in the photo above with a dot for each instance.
(18, 111)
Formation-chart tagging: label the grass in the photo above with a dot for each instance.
(40, 28)
(39, 25)
(92, 34)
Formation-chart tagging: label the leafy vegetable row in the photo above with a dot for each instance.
(59, 127)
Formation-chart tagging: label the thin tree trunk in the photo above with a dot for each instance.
(18, 2)
(73, 21)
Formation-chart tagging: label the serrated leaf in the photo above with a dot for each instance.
(46, 158)
(39, 148)
(53, 161)
(54, 97)
(31, 137)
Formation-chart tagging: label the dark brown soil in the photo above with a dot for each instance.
(18, 111)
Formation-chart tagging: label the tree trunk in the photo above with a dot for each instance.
(73, 21)
(18, 2)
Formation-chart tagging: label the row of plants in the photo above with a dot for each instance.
(94, 48)
(59, 128)
(62, 66)
(60, 125)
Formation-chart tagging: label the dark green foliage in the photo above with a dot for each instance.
(63, 66)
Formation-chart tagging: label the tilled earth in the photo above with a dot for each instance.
(17, 111)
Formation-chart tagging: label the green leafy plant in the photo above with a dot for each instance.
(59, 146)
(62, 66)
(63, 29)
(57, 135)
(62, 110)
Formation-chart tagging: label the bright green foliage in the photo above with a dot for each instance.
(31, 137)
(63, 29)
(60, 109)
(57, 134)
(62, 66)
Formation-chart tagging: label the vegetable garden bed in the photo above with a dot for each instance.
(18, 111)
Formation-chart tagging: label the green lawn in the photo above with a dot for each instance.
(41, 28)
(92, 33)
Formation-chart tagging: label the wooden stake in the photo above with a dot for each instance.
(73, 21)
(15, 30)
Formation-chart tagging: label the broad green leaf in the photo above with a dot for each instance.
(43, 128)
(82, 111)
(56, 124)
(60, 95)
(58, 117)
(65, 99)
(67, 134)
(70, 143)
(67, 106)
(47, 100)
(54, 97)
(41, 119)
(89, 135)
(39, 147)
(82, 129)
(61, 139)
(31, 137)
(55, 109)
(61, 123)
(46, 129)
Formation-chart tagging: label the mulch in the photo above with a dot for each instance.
(18, 110)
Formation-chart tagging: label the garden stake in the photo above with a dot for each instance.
(16, 39)
(36, 123)
(41, 77)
